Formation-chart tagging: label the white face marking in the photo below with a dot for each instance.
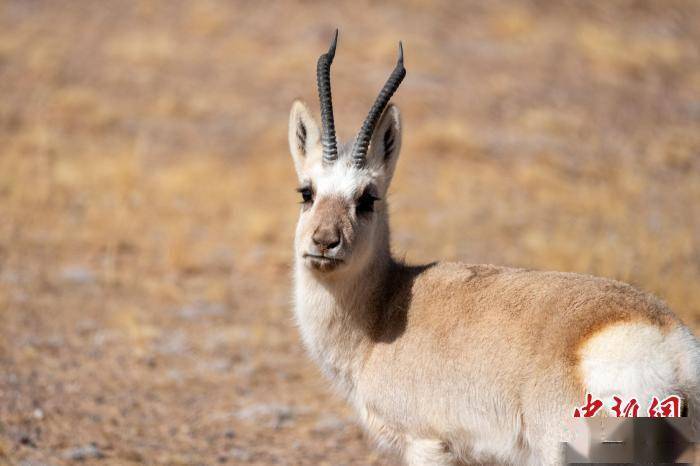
(341, 179)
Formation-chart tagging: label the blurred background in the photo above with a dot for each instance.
(147, 202)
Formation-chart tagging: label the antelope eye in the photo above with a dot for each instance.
(365, 204)
(307, 196)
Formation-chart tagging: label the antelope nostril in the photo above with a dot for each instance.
(326, 238)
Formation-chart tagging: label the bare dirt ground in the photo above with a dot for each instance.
(147, 200)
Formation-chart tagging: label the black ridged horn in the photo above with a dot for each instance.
(323, 79)
(359, 150)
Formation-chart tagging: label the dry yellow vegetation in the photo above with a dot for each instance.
(147, 201)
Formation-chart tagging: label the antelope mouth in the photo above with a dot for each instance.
(322, 263)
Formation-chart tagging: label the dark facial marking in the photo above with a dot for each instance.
(365, 203)
(307, 195)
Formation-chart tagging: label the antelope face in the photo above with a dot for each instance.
(343, 210)
(343, 215)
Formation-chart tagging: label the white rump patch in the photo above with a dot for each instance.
(630, 360)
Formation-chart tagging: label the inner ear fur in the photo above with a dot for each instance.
(304, 134)
(386, 140)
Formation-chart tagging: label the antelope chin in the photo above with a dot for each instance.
(322, 263)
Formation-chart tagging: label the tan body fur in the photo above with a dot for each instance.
(449, 363)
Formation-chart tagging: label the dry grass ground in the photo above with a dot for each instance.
(147, 199)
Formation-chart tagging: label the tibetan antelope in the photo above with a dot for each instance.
(452, 363)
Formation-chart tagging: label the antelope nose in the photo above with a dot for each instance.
(326, 238)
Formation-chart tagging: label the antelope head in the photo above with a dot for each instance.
(343, 218)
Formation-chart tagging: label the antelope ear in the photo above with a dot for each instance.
(304, 137)
(386, 141)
